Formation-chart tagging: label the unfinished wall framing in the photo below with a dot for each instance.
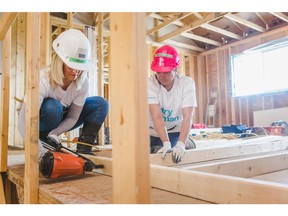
(214, 69)
(202, 177)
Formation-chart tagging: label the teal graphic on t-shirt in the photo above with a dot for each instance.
(167, 115)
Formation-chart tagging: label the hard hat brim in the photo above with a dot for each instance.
(161, 69)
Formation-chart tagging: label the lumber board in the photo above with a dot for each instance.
(2, 194)
(6, 20)
(247, 167)
(129, 104)
(4, 116)
(214, 188)
(32, 108)
(230, 149)
(218, 188)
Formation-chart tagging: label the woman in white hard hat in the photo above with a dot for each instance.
(64, 101)
(171, 99)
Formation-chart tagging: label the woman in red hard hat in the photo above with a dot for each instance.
(172, 100)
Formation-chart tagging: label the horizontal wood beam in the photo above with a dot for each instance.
(246, 167)
(280, 16)
(6, 20)
(221, 31)
(210, 187)
(238, 148)
(201, 39)
(194, 25)
(167, 22)
(217, 188)
(186, 46)
(244, 22)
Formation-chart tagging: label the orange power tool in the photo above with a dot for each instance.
(61, 161)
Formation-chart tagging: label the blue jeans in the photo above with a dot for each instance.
(156, 143)
(52, 113)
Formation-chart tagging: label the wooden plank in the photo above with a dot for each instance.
(20, 71)
(4, 118)
(247, 167)
(6, 20)
(239, 148)
(129, 100)
(8, 190)
(12, 102)
(218, 188)
(214, 188)
(2, 194)
(100, 67)
(32, 108)
(45, 38)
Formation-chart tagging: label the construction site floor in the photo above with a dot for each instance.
(91, 188)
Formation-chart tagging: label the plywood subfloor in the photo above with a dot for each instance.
(91, 188)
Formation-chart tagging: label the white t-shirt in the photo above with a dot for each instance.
(65, 97)
(171, 102)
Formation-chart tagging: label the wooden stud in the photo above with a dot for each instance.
(130, 108)
(45, 43)
(100, 65)
(20, 70)
(2, 193)
(31, 176)
(4, 121)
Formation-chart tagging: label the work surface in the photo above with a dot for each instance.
(90, 188)
(239, 171)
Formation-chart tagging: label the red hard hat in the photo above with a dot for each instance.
(166, 58)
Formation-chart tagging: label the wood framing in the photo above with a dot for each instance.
(31, 177)
(130, 106)
(231, 172)
(100, 67)
(6, 21)
(4, 120)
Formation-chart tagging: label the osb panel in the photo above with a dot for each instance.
(90, 188)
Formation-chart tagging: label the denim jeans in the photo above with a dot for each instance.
(156, 143)
(52, 113)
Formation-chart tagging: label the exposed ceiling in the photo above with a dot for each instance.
(193, 31)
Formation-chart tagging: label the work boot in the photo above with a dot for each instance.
(190, 144)
(88, 135)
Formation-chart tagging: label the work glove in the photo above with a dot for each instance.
(165, 149)
(178, 152)
(54, 141)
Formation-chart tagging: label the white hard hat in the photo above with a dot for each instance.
(74, 49)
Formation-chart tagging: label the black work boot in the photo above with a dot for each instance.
(88, 135)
